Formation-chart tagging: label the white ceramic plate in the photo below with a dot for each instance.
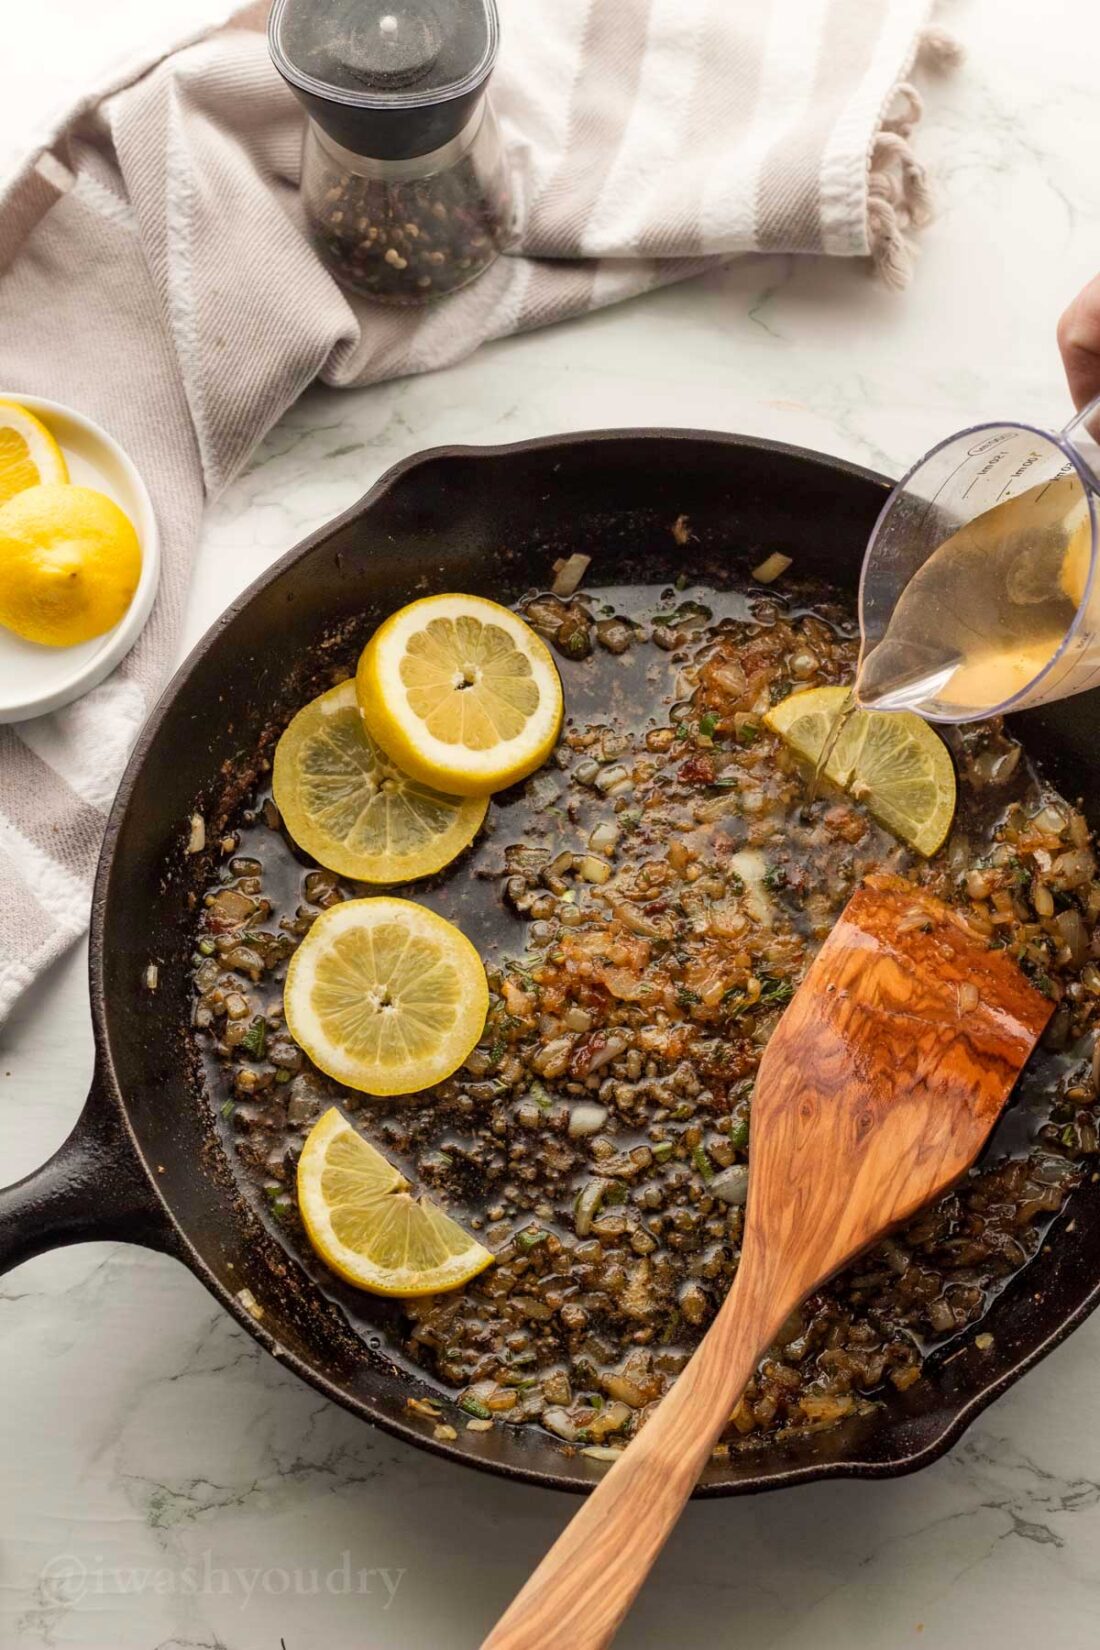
(35, 679)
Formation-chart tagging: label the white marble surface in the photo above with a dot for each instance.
(162, 1482)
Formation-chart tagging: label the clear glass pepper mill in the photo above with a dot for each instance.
(404, 181)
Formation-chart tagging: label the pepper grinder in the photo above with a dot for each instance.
(404, 181)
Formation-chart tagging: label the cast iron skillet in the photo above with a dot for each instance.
(142, 1163)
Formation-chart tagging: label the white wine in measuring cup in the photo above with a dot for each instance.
(977, 588)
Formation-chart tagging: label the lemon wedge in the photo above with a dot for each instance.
(365, 1225)
(29, 454)
(889, 760)
(70, 562)
(385, 996)
(461, 694)
(345, 803)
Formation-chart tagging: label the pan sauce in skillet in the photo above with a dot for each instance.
(645, 906)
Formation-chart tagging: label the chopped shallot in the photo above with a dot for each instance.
(568, 574)
(771, 567)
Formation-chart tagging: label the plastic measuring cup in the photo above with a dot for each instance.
(979, 590)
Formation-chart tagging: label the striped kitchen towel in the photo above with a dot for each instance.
(157, 276)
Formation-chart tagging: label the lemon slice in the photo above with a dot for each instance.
(385, 996)
(892, 761)
(29, 455)
(363, 1223)
(460, 693)
(70, 562)
(345, 803)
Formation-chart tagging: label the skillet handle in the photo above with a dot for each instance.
(93, 1187)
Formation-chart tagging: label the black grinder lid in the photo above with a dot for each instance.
(386, 78)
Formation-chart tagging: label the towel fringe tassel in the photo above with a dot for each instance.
(898, 195)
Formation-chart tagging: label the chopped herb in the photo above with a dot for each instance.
(775, 878)
(474, 1406)
(708, 724)
(282, 1075)
(702, 1162)
(254, 1041)
(1069, 1136)
(530, 1235)
(662, 1151)
(228, 1109)
(687, 998)
(775, 992)
(686, 610)
(1038, 976)
(207, 947)
(739, 1133)
(540, 1095)
(749, 733)
(575, 643)
(615, 1193)
(681, 730)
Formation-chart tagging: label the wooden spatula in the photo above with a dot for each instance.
(878, 1089)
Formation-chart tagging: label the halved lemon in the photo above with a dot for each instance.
(385, 996)
(346, 803)
(29, 454)
(460, 693)
(889, 760)
(70, 562)
(363, 1222)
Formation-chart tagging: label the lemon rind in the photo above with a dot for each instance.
(381, 869)
(941, 772)
(409, 744)
(41, 443)
(351, 1264)
(413, 1075)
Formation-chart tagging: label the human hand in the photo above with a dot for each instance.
(1079, 342)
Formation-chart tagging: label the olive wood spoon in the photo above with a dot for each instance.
(876, 1092)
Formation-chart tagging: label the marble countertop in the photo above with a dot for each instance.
(163, 1482)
